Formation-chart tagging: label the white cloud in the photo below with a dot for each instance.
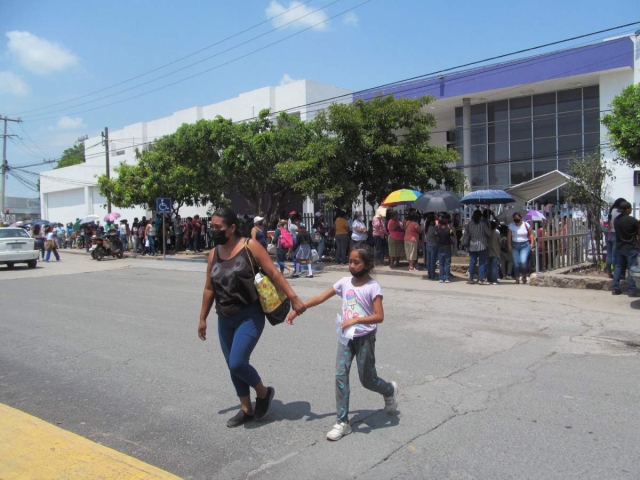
(39, 55)
(293, 12)
(351, 19)
(12, 84)
(286, 78)
(68, 123)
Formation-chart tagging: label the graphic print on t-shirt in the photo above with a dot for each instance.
(354, 308)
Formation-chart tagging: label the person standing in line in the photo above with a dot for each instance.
(230, 284)
(341, 226)
(361, 308)
(257, 232)
(627, 233)
(493, 254)
(178, 228)
(122, 233)
(379, 235)
(479, 234)
(396, 240)
(302, 255)
(188, 234)
(358, 232)
(611, 237)
(521, 242)
(431, 246)
(51, 244)
(150, 235)
(320, 229)
(196, 230)
(445, 238)
(411, 236)
(134, 236)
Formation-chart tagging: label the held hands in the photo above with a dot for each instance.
(291, 317)
(298, 306)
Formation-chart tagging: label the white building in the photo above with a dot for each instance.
(512, 122)
(71, 192)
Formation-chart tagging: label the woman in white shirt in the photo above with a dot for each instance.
(520, 240)
(359, 232)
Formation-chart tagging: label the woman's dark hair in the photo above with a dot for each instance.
(411, 216)
(36, 229)
(616, 205)
(477, 215)
(431, 219)
(229, 218)
(366, 255)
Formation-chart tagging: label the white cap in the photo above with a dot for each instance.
(257, 219)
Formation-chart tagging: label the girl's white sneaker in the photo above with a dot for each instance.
(338, 431)
(391, 402)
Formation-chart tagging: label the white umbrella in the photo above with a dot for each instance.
(89, 219)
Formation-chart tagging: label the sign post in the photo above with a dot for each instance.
(163, 206)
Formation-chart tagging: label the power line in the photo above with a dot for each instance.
(187, 66)
(209, 69)
(172, 62)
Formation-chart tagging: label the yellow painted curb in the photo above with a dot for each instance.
(31, 448)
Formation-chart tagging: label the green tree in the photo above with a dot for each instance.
(252, 153)
(372, 147)
(72, 155)
(180, 166)
(588, 187)
(623, 124)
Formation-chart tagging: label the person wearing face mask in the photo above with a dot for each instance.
(521, 242)
(230, 284)
(362, 309)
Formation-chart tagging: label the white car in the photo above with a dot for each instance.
(17, 246)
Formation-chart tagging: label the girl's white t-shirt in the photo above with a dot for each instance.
(519, 233)
(358, 302)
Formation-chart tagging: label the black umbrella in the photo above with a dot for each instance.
(437, 201)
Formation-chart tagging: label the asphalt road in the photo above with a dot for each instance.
(495, 382)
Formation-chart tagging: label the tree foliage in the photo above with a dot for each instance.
(623, 124)
(373, 147)
(179, 166)
(72, 156)
(588, 188)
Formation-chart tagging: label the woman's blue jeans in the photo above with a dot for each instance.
(152, 244)
(239, 335)
(520, 252)
(380, 248)
(481, 257)
(40, 243)
(432, 258)
(321, 247)
(611, 253)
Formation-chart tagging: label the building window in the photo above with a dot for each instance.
(521, 138)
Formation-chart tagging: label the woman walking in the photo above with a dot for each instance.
(281, 250)
(479, 234)
(229, 283)
(51, 244)
(396, 240)
(521, 242)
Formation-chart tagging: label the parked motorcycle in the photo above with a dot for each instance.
(108, 245)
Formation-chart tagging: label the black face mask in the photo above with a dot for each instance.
(517, 220)
(359, 274)
(219, 237)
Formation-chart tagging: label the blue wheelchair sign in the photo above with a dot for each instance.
(163, 205)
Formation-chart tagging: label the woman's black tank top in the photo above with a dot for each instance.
(232, 281)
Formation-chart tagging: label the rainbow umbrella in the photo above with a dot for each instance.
(401, 197)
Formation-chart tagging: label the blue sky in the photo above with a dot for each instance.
(52, 52)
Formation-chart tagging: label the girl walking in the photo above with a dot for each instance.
(303, 251)
(362, 308)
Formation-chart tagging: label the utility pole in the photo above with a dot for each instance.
(105, 142)
(4, 168)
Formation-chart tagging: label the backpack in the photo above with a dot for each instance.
(286, 239)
